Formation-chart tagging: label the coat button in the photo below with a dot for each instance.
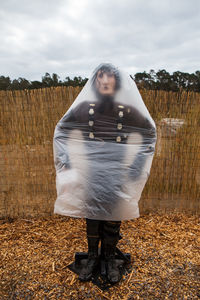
(121, 114)
(91, 123)
(119, 126)
(91, 135)
(91, 111)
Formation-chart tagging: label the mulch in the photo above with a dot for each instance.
(164, 248)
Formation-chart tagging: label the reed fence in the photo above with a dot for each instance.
(27, 177)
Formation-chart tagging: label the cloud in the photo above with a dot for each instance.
(71, 37)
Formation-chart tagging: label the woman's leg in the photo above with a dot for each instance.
(93, 237)
(110, 238)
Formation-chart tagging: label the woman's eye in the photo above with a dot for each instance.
(110, 75)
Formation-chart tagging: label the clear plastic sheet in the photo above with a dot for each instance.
(103, 149)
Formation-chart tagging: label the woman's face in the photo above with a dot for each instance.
(105, 83)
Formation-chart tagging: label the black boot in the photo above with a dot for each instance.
(109, 241)
(113, 272)
(92, 261)
(93, 243)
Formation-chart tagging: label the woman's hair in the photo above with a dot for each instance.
(109, 69)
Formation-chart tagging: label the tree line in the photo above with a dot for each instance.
(47, 81)
(163, 80)
(160, 80)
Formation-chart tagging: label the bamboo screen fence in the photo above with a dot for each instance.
(27, 177)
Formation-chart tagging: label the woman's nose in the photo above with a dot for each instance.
(105, 78)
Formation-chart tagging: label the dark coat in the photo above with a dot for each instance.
(110, 122)
(105, 127)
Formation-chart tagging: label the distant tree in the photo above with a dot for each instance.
(143, 80)
(178, 79)
(47, 80)
(51, 80)
(68, 81)
(192, 81)
(196, 81)
(24, 83)
(78, 81)
(20, 84)
(36, 84)
(5, 83)
(163, 80)
(84, 81)
(152, 79)
(55, 80)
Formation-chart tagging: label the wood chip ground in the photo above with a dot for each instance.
(165, 252)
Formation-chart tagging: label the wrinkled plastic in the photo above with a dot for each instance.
(103, 151)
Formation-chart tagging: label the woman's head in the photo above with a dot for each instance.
(106, 80)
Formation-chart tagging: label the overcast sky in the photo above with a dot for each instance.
(71, 37)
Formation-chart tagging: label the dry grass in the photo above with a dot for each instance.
(164, 249)
(27, 178)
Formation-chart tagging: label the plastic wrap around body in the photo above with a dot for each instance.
(103, 149)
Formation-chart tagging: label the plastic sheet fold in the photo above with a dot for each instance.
(103, 149)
